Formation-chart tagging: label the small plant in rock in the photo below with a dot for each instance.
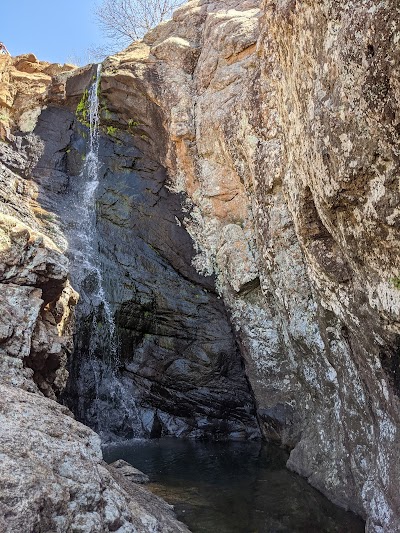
(396, 282)
(112, 131)
(132, 124)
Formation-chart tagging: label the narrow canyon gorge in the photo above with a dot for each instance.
(199, 238)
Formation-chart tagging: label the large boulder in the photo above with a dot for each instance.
(54, 479)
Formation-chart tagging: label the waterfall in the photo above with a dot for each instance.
(103, 331)
(97, 382)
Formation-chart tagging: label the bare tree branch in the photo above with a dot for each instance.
(124, 21)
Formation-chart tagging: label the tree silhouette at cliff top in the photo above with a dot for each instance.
(124, 21)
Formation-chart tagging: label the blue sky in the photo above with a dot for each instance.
(54, 30)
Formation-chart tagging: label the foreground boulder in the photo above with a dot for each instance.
(54, 479)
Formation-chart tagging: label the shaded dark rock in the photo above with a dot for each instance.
(390, 360)
(22, 155)
(278, 424)
(80, 80)
(179, 370)
(55, 129)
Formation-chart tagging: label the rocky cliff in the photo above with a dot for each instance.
(53, 476)
(281, 127)
(269, 134)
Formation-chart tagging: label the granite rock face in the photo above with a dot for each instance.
(280, 126)
(37, 298)
(25, 85)
(54, 479)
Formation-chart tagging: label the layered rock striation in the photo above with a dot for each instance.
(177, 370)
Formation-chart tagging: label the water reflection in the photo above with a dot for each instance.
(233, 487)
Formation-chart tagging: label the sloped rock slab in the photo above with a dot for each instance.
(130, 472)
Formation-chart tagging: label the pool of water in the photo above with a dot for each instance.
(236, 487)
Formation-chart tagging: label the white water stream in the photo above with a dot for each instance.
(87, 232)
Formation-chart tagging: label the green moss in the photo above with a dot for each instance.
(132, 124)
(82, 111)
(112, 131)
(396, 282)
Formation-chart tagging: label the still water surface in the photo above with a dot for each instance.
(233, 487)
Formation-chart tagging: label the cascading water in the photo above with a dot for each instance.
(96, 354)
(176, 369)
(89, 251)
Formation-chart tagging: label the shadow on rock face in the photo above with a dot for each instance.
(178, 369)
